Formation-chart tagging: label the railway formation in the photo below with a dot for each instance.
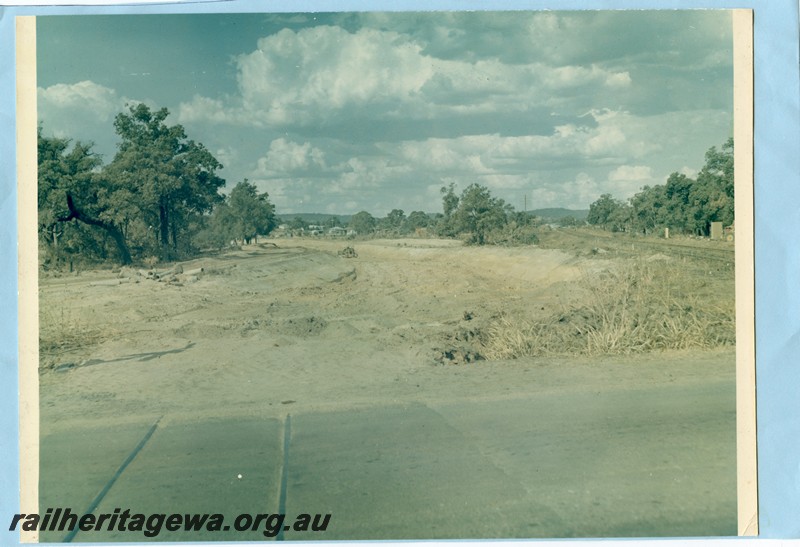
(624, 245)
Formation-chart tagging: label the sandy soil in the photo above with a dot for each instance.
(605, 446)
(266, 328)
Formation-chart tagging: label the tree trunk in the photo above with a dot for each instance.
(164, 230)
(111, 229)
(163, 220)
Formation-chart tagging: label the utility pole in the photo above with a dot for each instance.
(525, 209)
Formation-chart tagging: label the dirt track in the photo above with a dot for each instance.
(268, 331)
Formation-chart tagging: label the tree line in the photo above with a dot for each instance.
(683, 204)
(158, 197)
(475, 216)
(395, 223)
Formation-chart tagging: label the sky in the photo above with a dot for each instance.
(342, 112)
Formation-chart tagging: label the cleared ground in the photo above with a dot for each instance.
(388, 434)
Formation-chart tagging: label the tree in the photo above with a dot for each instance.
(714, 192)
(417, 219)
(522, 218)
(219, 229)
(621, 219)
(449, 199)
(250, 213)
(603, 210)
(647, 208)
(395, 219)
(71, 189)
(59, 173)
(362, 222)
(478, 213)
(151, 199)
(679, 207)
(169, 177)
(568, 221)
(683, 204)
(298, 224)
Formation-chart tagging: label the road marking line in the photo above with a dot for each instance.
(99, 497)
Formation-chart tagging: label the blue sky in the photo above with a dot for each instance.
(342, 112)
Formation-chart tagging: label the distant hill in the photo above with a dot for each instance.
(555, 213)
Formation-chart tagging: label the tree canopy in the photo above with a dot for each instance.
(169, 177)
(474, 215)
(607, 212)
(251, 213)
(72, 189)
(363, 223)
(154, 198)
(682, 204)
(417, 219)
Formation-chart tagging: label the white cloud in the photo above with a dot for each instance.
(501, 93)
(281, 192)
(91, 99)
(325, 73)
(290, 157)
(83, 111)
(203, 109)
(631, 173)
(501, 181)
(542, 197)
(576, 193)
(226, 155)
(568, 76)
(294, 75)
(619, 79)
(607, 142)
(369, 173)
(409, 174)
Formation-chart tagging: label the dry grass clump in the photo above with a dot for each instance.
(641, 306)
(61, 333)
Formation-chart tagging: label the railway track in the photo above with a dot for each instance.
(629, 246)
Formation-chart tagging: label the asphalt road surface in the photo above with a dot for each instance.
(645, 462)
